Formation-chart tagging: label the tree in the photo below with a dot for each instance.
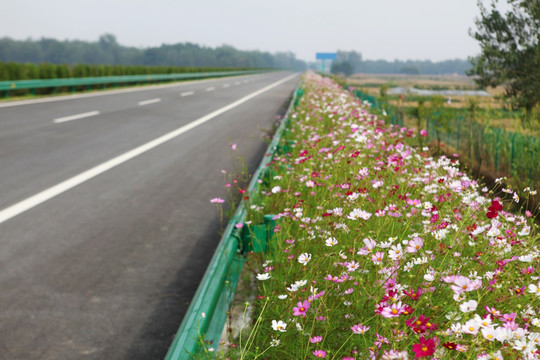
(341, 68)
(510, 51)
(353, 58)
(410, 70)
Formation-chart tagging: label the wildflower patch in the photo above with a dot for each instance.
(383, 252)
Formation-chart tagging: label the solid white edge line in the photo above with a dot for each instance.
(76, 117)
(148, 102)
(187, 93)
(58, 189)
(211, 88)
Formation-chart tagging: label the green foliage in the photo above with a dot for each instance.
(353, 58)
(15, 71)
(341, 68)
(107, 51)
(510, 51)
(456, 66)
(410, 70)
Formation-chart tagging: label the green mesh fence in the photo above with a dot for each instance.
(393, 116)
(503, 153)
(492, 149)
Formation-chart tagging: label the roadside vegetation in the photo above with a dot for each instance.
(381, 251)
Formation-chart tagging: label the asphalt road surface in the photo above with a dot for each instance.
(106, 227)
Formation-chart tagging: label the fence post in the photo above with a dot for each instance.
(496, 150)
(459, 133)
(531, 162)
(513, 153)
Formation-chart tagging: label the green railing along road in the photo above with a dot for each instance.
(206, 316)
(32, 85)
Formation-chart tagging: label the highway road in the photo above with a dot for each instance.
(106, 226)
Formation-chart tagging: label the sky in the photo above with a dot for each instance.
(379, 29)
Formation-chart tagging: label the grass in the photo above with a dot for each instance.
(383, 252)
(494, 110)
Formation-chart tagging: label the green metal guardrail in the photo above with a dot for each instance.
(207, 313)
(8, 86)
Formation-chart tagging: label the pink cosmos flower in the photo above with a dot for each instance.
(319, 353)
(370, 245)
(352, 266)
(315, 339)
(414, 245)
(464, 284)
(301, 308)
(217, 200)
(377, 258)
(359, 329)
(392, 311)
(380, 340)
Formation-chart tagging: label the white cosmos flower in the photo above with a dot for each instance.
(534, 289)
(395, 252)
(304, 258)
(358, 214)
(282, 297)
(470, 327)
(526, 258)
(276, 189)
(279, 325)
(488, 333)
(468, 306)
(331, 241)
(264, 276)
(274, 342)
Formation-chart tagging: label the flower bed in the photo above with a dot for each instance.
(381, 252)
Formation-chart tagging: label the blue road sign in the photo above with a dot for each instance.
(326, 56)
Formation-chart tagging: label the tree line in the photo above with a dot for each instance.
(107, 51)
(351, 62)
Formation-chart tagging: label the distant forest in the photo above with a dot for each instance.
(351, 62)
(107, 51)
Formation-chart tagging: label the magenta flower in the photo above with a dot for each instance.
(217, 200)
(301, 308)
(319, 353)
(315, 339)
(426, 347)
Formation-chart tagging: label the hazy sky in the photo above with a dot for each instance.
(379, 29)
